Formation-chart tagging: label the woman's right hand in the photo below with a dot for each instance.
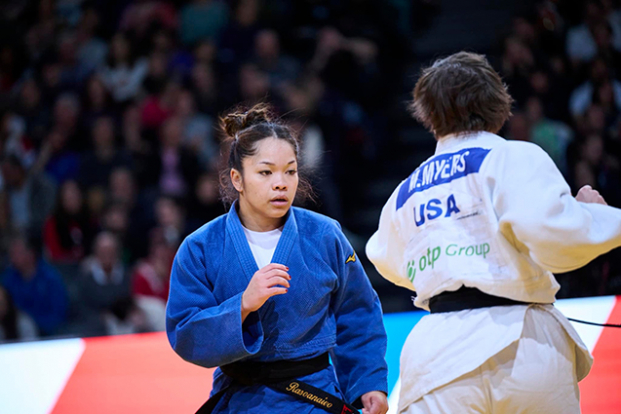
(269, 281)
(589, 195)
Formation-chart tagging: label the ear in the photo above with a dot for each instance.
(236, 179)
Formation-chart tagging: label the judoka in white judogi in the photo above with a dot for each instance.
(496, 215)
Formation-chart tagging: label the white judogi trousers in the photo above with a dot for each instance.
(535, 374)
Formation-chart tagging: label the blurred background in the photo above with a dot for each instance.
(109, 147)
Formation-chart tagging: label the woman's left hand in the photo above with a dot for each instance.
(374, 402)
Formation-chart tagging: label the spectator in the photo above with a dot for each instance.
(15, 325)
(202, 19)
(132, 131)
(203, 81)
(96, 101)
(30, 196)
(582, 96)
(59, 161)
(32, 110)
(581, 44)
(137, 314)
(104, 280)
(157, 75)
(237, 39)
(206, 204)
(66, 119)
(199, 130)
(71, 74)
(171, 220)
(174, 167)
(517, 63)
(519, 127)
(132, 212)
(124, 72)
(140, 17)
(178, 60)
(91, 50)
(151, 276)
(99, 163)
(123, 187)
(597, 168)
(553, 136)
(270, 60)
(35, 286)
(205, 52)
(67, 233)
(115, 221)
(254, 84)
(158, 108)
(12, 131)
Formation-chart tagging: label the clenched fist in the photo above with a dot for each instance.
(588, 195)
(269, 281)
(374, 402)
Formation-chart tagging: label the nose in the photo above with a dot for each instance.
(279, 182)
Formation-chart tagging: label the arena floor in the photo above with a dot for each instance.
(141, 374)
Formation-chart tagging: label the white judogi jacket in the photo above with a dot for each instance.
(492, 214)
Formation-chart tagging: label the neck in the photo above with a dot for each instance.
(253, 220)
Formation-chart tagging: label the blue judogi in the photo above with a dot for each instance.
(330, 306)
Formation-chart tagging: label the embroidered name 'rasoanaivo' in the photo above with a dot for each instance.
(294, 388)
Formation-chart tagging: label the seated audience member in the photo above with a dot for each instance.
(36, 288)
(30, 196)
(151, 276)
(15, 325)
(137, 314)
(98, 164)
(104, 280)
(174, 168)
(199, 131)
(67, 232)
(206, 204)
(124, 73)
(170, 217)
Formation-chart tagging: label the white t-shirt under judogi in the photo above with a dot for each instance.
(263, 245)
(492, 214)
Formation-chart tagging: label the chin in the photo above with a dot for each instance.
(278, 212)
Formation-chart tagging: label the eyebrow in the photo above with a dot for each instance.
(271, 163)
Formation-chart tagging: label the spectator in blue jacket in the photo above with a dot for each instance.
(36, 288)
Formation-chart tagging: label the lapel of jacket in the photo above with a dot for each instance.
(242, 248)
(287, 239)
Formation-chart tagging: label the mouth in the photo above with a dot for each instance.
(279, 201)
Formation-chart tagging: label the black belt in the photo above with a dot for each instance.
(467, 298)
(282, 376)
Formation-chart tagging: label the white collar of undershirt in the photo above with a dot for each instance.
(263, 238)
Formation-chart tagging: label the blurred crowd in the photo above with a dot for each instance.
(562, 63)
(109, 139)
(110, 147)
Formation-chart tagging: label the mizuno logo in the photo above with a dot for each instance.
(351, 258)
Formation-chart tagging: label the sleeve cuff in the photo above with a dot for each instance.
(252, 333)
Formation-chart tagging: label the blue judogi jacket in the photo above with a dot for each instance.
(330, 306)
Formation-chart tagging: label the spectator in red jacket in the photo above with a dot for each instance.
(67, 232)
(151, 275)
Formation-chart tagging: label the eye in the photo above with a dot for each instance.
(292, 172)
(265, 172)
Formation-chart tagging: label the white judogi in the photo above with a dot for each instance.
(492, 214)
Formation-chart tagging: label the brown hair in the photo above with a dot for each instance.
(461, 93)
(243, 130)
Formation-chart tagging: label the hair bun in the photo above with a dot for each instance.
(238, 121)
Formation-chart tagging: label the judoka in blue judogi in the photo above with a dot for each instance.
(330, 306)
